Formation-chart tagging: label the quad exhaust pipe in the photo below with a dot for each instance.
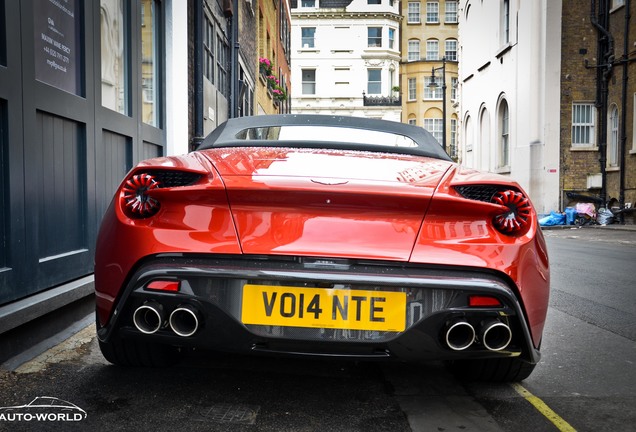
(184, 320)
(459, 335)
(493, 334)
(149, 318)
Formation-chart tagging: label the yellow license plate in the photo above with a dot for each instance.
(324, 308)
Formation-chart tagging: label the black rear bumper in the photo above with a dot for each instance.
(213, 285)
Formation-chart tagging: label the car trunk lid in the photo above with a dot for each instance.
(327, 202)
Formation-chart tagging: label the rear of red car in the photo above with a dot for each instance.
(300, 250)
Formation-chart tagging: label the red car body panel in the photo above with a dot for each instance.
(252, 211)
(362, 212)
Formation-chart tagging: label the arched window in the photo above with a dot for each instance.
(450, 51)
(504, 134)
(612, 149)
(414, 50)
(432, 49)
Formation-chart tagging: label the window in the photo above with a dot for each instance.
(505, 22)
(454, 85)
(435, 127)
(432, 93)
(309, 81)
(450, 51)
(583, 123)
(453, 138)
(115, 48)
(374, 36)
(391, 38)
(374, 83)
(222, 66)
(150, 79)
(414, 50)
(413, 121)
(308, 34)
(412, 89)
(374, 2)
(308, 3)
(612, 148)
(450, 12)
(432, 12)
(413, 14)
(432, 49)
(208, 50)
(504, 134)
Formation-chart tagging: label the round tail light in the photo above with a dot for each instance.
(517, 218)
(137, 202)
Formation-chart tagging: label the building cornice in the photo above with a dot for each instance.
(338, 14)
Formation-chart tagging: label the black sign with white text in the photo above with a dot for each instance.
(56, 26)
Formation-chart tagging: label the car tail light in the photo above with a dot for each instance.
(159, 285)
(136, 197)
(483, 301)
(137, 202)
(516, 219)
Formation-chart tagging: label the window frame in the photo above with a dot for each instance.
(613, 134)
(372, 41)
(411, 84)
(432, 12)
(455, 15)
(417, 54)
(305, 83)
(373, 82)
(412, 13)
(450, 54)
(436, 128)
(311, 39)
(503, 134)
(432, 94)
(429, 52)
(587, 128)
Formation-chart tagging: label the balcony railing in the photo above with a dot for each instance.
(381, 100)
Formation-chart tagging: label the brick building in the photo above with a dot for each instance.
(598, 146)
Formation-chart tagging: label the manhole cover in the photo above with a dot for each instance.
(228, 413)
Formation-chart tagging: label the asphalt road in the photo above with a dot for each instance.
(586, 380)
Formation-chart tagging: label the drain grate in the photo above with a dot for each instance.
(228, 413)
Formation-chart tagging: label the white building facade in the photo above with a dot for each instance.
(510, 92)
(346, 58)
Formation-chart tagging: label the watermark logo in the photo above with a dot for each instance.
(43, 409)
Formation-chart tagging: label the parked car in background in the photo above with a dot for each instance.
(322, 236)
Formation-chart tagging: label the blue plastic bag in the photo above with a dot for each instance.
(554, 218)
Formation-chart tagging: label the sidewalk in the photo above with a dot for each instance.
(613, 227)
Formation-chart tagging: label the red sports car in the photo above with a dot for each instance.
(312, 235)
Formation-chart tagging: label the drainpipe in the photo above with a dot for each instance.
(604, 72)
(621, 150)
(234, 70)
(198, 74)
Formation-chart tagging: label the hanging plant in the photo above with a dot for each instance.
(265, 66)
(279, 93)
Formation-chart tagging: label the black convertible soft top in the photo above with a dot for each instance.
(313, 131)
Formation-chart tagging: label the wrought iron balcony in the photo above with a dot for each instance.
(381, 100)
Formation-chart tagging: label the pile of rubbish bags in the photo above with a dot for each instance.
(581, 214)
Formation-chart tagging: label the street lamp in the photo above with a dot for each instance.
(434, 85)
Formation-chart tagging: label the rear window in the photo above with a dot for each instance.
(299, 133)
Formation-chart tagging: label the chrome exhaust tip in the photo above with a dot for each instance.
(184, 320)
(148, 318)
(459, 335)
(495, 335)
